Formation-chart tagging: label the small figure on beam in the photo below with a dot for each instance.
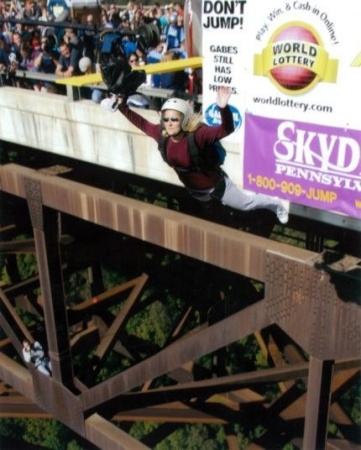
(34, 353)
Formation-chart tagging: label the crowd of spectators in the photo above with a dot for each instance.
(34, 37)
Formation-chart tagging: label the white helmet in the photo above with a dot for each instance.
(180, 105)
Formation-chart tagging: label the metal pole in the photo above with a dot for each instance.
(47, 240)
(317, 404)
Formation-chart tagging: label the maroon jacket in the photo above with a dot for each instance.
(178, 156)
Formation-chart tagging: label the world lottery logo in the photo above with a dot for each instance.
(295, 59)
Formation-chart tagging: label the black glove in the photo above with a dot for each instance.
(116, 72)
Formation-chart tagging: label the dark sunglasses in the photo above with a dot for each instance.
(172, 119)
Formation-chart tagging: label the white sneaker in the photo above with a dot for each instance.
(282, 213)
(110, 104)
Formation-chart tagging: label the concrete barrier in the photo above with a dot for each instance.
(83, 130)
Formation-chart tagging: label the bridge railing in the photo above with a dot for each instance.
(73, 93)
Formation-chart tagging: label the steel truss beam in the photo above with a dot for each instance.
(294, 289)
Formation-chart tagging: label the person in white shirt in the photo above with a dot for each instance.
(34, 353)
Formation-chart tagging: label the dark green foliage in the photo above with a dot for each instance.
(194, 437)
(351, 401)
(76, 288)
(48, 433)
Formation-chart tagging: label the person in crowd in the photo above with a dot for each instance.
(181, 50)
(32, 10)
(68, 64)
(48, 58)
(87, 67)
(129, 12)
(59, 9)
(10, 58)
(178, 9)
(112, 12)
(138, 19)
(5, 64)
(115, 20)
(136, 100)
(153, 13)
(78, 43)
(163, 19)
(16, 9)
(105, 22)
(124, 24)
(89, 38)
(203, 182)
(154, 56)
(35, 43)
(4, 47)
(71, 37)
(29, 51)
(168, 12)
(177, 81)
(45, 14)
(47, 61)
(133, 59)
(159, 9)
(174, 33)
(26, 63)
(16, 44)
(29, 32)
(28, 55)
(34, 353)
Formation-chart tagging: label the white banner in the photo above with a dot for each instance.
(282, 58)
(298, 64)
